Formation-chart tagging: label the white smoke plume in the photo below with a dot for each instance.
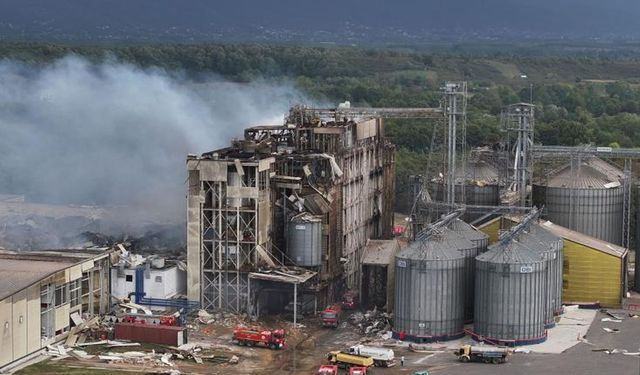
(111, 134)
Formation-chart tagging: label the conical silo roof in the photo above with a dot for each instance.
(591, 173)
(512, 252)
(467, 231)
(443, 245)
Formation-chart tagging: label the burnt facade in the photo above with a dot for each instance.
(307, 194)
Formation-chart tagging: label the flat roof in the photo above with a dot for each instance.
(380, 252)
(19, 271)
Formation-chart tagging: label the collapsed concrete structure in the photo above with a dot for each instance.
(288, 208)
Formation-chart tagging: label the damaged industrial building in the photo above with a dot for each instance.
(44, 294)
(284, 215)
(295, 223)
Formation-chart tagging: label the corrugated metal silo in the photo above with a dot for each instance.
(304, 240)
(550, 256)
(510, 295)
(480, 241)
(480, 187)
(430, 281)
(556, 243)
(587, 198)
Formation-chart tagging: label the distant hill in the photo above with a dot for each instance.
(328, 21)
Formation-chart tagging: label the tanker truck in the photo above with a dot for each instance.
(382, 357)
(346, 360)
(486, 354)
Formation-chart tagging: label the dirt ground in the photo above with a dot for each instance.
(308, 346)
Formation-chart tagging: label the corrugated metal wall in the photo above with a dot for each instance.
(590, 275)
(492, 229)
(510, 295)
(429, 299)
(596, 212)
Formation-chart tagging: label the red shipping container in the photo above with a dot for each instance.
(151, 333)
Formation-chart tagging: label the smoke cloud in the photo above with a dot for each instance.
(112, 134)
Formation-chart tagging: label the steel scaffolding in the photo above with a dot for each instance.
(518, 121)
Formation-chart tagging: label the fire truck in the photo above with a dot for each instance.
(358, 371)
(328, 370)
(257, 336)
(350, 300)
(330, 317)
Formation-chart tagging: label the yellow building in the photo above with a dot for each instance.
(41, 293)
(593, 270)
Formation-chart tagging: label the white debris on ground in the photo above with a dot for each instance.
(79, 341)
(568, 332)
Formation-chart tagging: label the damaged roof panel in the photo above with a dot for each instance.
(380, 252)
(20, 271)
(284, 275)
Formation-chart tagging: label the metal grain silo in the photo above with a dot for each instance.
(556, 243)
(550, 255)
(304, 240)
(586, 197)
(480, 183)
(510, 295)
(430, 281)
(480, 242)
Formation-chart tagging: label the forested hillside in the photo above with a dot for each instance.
(580, 99)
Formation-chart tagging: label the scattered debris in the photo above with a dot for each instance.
(165, 359)
(522, 350)
(372, 322)
(616, 351)
(611, 320)
(205, 318)
(614, 316)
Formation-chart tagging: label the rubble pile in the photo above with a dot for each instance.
(372, 322)
(221, 319)
(107, 351)
(93, 329)
(200, 352)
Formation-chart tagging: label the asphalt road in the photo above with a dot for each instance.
(578, 360)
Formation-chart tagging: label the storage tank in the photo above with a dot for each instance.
(480, 184)
(304, 240)
(557, 243)
(429, 288)
(542, 245)
(587, 198)
(480, 241)
(510, 295)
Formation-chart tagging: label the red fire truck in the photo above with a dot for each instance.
(330, 317)
(358, 371)
(328, 370)
(350, 300)
(257, 336)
